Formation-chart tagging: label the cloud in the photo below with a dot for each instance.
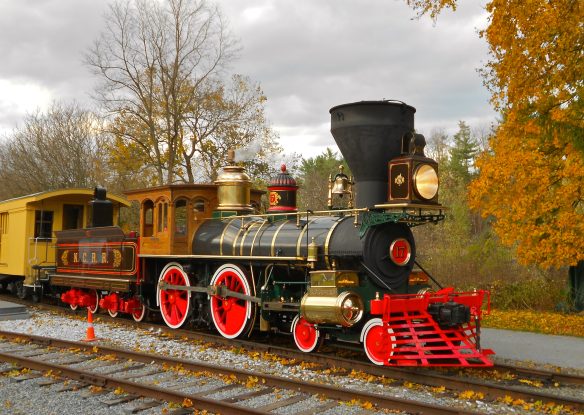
(310, 56)
(42, 44)
(26, 98)
(307, 55)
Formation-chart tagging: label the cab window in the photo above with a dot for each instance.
(148, 218)
(199, 205)
(162, 225)
(180, 218)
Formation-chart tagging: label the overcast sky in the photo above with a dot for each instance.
(308, 56)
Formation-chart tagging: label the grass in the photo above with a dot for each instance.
(537, 304)
(546, 322)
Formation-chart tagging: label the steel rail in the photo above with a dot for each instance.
(331, 392)
(430, 378)
(149, 391)
(424, 377)
(546, 375)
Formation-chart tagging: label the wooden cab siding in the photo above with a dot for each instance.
(170, 215)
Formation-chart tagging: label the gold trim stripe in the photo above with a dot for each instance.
(327, 242)
(223, 236)
(253, 224)
(254, 238)
(237, 236)
(299, 241)
(275, 236)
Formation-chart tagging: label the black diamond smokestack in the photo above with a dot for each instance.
(369, 134)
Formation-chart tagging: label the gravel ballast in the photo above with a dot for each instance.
(72, 327)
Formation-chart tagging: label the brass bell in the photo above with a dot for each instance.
(340, 185)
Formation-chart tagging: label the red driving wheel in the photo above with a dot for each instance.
(231, 315)
(375, 341)
(306, 335)
(174, 304)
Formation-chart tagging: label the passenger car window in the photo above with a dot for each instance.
(43, 224)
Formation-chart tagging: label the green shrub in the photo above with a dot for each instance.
(534, 294)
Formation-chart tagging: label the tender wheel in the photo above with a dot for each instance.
(174, 304)
(231, 316)
(306, 336)
(11, 287)
(21, 290)
(74, 307)
(36, 296)
(139, 314)
(112, 313)
(95, 306)
(373, 337)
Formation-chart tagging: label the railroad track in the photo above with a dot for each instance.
(513, 385)
(133, 372)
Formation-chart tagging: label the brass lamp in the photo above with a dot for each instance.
(340, 185)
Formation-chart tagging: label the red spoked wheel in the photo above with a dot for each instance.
(113, 311)
(93, 308)
(139, 314)
(231, 316)
(174, 304)
(306, 335)
(375, 338)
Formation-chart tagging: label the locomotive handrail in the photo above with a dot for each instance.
(233, 257)
(35, 260)
(303, 213)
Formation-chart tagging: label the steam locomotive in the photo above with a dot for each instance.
(206, 257)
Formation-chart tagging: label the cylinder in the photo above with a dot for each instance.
(322, 307)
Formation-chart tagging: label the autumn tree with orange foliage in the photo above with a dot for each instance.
(531, 180)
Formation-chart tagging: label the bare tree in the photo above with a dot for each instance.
(228, 116)
(438, 146)
(483, 133)
(160, 65)
(58, 149)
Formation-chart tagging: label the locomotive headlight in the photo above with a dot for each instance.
(426, 181)
(351, 308)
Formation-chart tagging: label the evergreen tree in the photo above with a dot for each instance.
(314, 176)
(462, 154)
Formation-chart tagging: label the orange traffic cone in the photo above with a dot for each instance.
(90, 336)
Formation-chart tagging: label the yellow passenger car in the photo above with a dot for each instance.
(27, 226)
